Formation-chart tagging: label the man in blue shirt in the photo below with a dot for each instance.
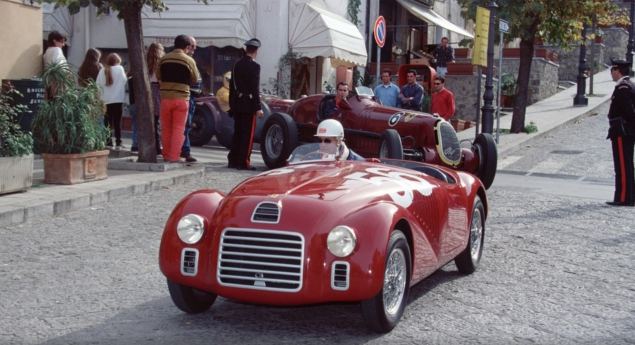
(412, 93)
(387, 93)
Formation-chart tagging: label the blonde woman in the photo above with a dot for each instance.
(155, 53)
(112, 82)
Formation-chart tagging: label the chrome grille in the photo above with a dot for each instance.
(266, 212)
(189, 260)
(261, 259)
(340, 275)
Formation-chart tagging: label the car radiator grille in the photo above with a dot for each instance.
(261, 259)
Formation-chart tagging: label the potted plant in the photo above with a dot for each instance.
(508, 90)
(69, 130)
(16, 147)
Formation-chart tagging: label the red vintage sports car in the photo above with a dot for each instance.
(320, 230)
(374, 130)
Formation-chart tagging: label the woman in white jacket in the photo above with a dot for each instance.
(112, 82)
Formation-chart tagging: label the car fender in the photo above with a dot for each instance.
(373, 225)
(203, 203)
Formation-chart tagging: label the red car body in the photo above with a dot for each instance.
(375, 199)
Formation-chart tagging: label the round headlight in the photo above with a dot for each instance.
(190, 228)
(341, 241)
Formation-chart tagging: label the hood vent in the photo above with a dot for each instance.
(266, 212)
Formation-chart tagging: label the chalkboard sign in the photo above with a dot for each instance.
(32, 91)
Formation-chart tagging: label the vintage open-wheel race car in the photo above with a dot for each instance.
(321, 230)
(375, 130)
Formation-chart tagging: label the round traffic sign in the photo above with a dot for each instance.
(379, 31)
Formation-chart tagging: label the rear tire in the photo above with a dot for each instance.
(189, 299)
(485, 147)
(468, 260)
(391, 146)
(383, 312)
(202, 126)
(225, 135)
(279, 138)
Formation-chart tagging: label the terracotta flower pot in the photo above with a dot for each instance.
(75, 167)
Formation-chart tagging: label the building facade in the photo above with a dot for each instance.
(21, 37)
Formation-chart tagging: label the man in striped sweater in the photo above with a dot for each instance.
(177, 71)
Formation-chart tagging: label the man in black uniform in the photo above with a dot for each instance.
(622, 134)
(244, 103)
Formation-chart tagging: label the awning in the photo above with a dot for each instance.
(314, 31)
(428, 15)
(57, 19)
(220, 23)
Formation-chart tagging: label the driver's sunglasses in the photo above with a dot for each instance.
(344, 90)
(326, 141)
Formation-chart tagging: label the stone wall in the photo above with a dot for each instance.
(543, 78)
(569, 60)
(616, 41)
(542, 84)
(465, 98)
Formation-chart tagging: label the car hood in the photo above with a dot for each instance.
(330, 181)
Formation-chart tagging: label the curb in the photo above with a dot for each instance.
(56, 200)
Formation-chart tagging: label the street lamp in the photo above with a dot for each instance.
(580, 99)
(631, 39)
(488, 96)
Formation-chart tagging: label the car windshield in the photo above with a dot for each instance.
(313, 152)
(364, 91)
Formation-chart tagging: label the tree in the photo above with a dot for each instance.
(556, 22)
(130, 12)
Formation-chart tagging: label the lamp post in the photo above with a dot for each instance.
(631, 39)
(488, 97)
(580, 99)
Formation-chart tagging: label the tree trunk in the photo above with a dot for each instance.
(143, 97)
(522, 91)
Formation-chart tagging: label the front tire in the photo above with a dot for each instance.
(383, 312)
(485, 147)
(391, 146)
(189, 299)
(280, 137)
(468, 260)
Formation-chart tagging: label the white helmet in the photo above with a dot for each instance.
(330, 128)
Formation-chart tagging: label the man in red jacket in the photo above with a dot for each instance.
(442, 99)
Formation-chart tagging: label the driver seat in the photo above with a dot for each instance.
(327, 104)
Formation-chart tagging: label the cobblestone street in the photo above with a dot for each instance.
(556, 269)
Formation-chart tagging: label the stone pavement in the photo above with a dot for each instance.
(127, 178)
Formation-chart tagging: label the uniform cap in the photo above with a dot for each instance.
(254, 42)
(619, 63)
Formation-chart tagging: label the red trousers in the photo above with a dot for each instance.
(173, 117)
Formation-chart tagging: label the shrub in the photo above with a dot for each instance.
(14, 141)
(71, 118)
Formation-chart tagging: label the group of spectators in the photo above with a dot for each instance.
(170, 91)
(413, 95)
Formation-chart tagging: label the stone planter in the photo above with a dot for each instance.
(16, 174)
(75, 167)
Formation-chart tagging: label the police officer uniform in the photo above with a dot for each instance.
(244, 102)
(622, 134)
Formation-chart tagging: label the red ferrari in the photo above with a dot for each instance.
(321, 230)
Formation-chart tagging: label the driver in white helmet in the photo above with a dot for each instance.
(331, 132)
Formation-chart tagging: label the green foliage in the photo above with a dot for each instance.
(556, 22)
(71, 121)
(104, 6)
(352, 10)
(14, 142)
(530, 128)
(508, 84)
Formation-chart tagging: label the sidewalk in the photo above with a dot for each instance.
(51, 200)
(550, 113)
